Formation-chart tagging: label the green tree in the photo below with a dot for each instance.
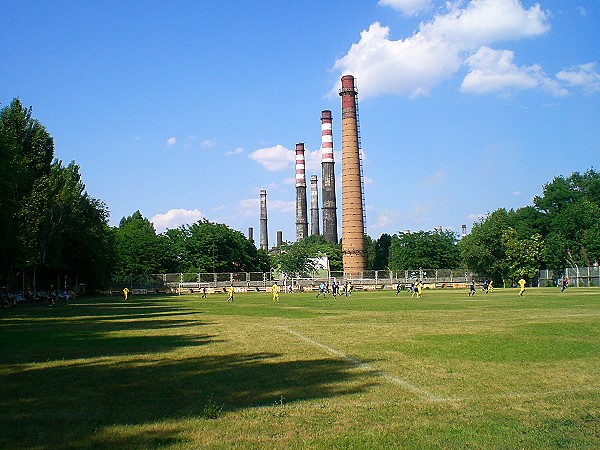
(571, 207)
(483, 251)
(523, 255)
(26, 153)
(138, 249)
(298, 258)
(46, 216)
(211, 247)
(424, 250)
(382, 252)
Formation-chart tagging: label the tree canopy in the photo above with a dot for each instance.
(47, 217)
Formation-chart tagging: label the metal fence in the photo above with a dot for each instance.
(578, 276)
(261, 281)
(372, 279)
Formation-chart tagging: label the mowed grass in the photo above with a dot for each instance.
(372, 371)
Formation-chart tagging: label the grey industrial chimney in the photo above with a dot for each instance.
(314, 206)
(301, 209)
(264, 235)
(330, 230)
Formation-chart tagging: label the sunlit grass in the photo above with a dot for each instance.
(374, 370)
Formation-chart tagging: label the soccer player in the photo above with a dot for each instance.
(125, 292)
(321, 290)
(522, 286)
(398, 288)
(565, 284)
(472, 289)
(491, 286)
(204, 292)
(230, 291)
(275, 290)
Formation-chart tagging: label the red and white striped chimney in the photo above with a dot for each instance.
(328, 199)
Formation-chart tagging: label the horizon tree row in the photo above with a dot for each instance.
(51, 224)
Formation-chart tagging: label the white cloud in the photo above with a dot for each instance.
(408, 7)
(250, 207)
(175, 218)
(208, 143)
(584, 76)
(415, 65)
(274, 158)
(235, 151)
(312, 161)
(282, 206)
(171, 142)
(476, 217)
(494, 71)
(383, 221)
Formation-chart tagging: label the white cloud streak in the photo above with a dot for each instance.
(584, 76)
(415, 65)
(408, 7)
(274, 158)
(175, 218)
(494, 71)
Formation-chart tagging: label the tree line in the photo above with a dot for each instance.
(49, 222)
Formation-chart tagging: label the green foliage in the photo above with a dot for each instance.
(571, 207)
(482, 249)
(138, 249)
(297, 259)
(211, 247)
(46, 216)
(382, 252)
(523, 256)
(423, 249)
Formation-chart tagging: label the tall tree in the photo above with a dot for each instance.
(138, 249)
(382, 252)
(482, 250)
(571, 206)
(424, 250)
(298, 258)
(211, 247)
(26, 153)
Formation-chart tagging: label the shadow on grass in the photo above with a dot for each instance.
(72, 403)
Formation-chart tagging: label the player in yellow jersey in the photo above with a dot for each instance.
(275, 290)
(522, 286)
(125, 292)
(230, 292)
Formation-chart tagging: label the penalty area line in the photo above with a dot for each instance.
(368, 368)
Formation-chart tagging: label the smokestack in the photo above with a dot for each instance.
(464, 230)
(251, 234)
(279, 238)
(264, 235)
(353, 240)
(314, 206)
(330, 231)
(301, 212)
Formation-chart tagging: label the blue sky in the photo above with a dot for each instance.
(186, 110)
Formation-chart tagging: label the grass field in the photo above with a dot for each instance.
(372, 371)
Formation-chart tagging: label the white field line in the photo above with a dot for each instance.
(521, 320)
(368, 368)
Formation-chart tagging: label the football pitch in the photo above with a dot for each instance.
(374, 370)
